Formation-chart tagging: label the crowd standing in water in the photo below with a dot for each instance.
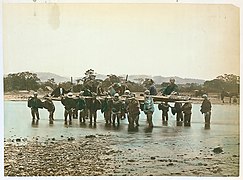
(86, 104)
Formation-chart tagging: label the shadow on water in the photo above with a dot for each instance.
(92, 126)
(165, 123)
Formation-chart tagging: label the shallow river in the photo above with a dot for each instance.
(17, 124)
(191, 145)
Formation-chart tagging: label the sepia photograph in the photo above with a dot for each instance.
(133, 88)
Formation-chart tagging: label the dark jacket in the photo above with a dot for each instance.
(169, 89)
(178, 107)
(116, 105)
(87, 92)
(49, 105)
(106, 105)
(152, 90)
(133, 107)
(68, 103)
(164, 107)
(34, 102)
(206, 106)
(57, 92)
(187, 108)
(80, 104)
(93, 104)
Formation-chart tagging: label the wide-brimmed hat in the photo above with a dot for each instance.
(204, 96)
(147, 92)
(172, 79)
(69, 95)
(127, 92)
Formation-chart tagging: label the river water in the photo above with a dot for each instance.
(18, 124)
(191, 145)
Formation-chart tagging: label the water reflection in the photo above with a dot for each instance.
(83, 125)
(179, 123)
(107, 127)
(148, 131)
(92, 126)
(117, 128)
(111, 127)
(51, 124)
(207, 126)
(132, 129)
(35, 123)
(165, 123)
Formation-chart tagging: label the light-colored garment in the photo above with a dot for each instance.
(61, 91)
(148, 104)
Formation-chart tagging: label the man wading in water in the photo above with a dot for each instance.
(69, 104)
(206, 110)
(148, 108)
(35, 103)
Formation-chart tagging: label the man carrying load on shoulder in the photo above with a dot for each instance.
(80, 106)
(187, 111)
(164, 106)
(69, 105)
(148, 108)
(206, 109)
(106, 106)
(93, 105)
(116, 109)
(35, 103)
(49, 105)
(133, 112)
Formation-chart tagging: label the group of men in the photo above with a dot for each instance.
(116, 107)
(182, 112)
(113, 108)
(178, 109)
(35, 103)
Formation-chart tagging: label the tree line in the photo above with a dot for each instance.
(30, 81)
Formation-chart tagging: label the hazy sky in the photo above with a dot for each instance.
(193, 41)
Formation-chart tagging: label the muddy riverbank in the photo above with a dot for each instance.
(110, 155)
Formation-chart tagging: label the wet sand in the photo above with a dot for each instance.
(106, 155)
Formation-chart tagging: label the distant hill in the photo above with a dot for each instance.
(44, 76)
(161, 79)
